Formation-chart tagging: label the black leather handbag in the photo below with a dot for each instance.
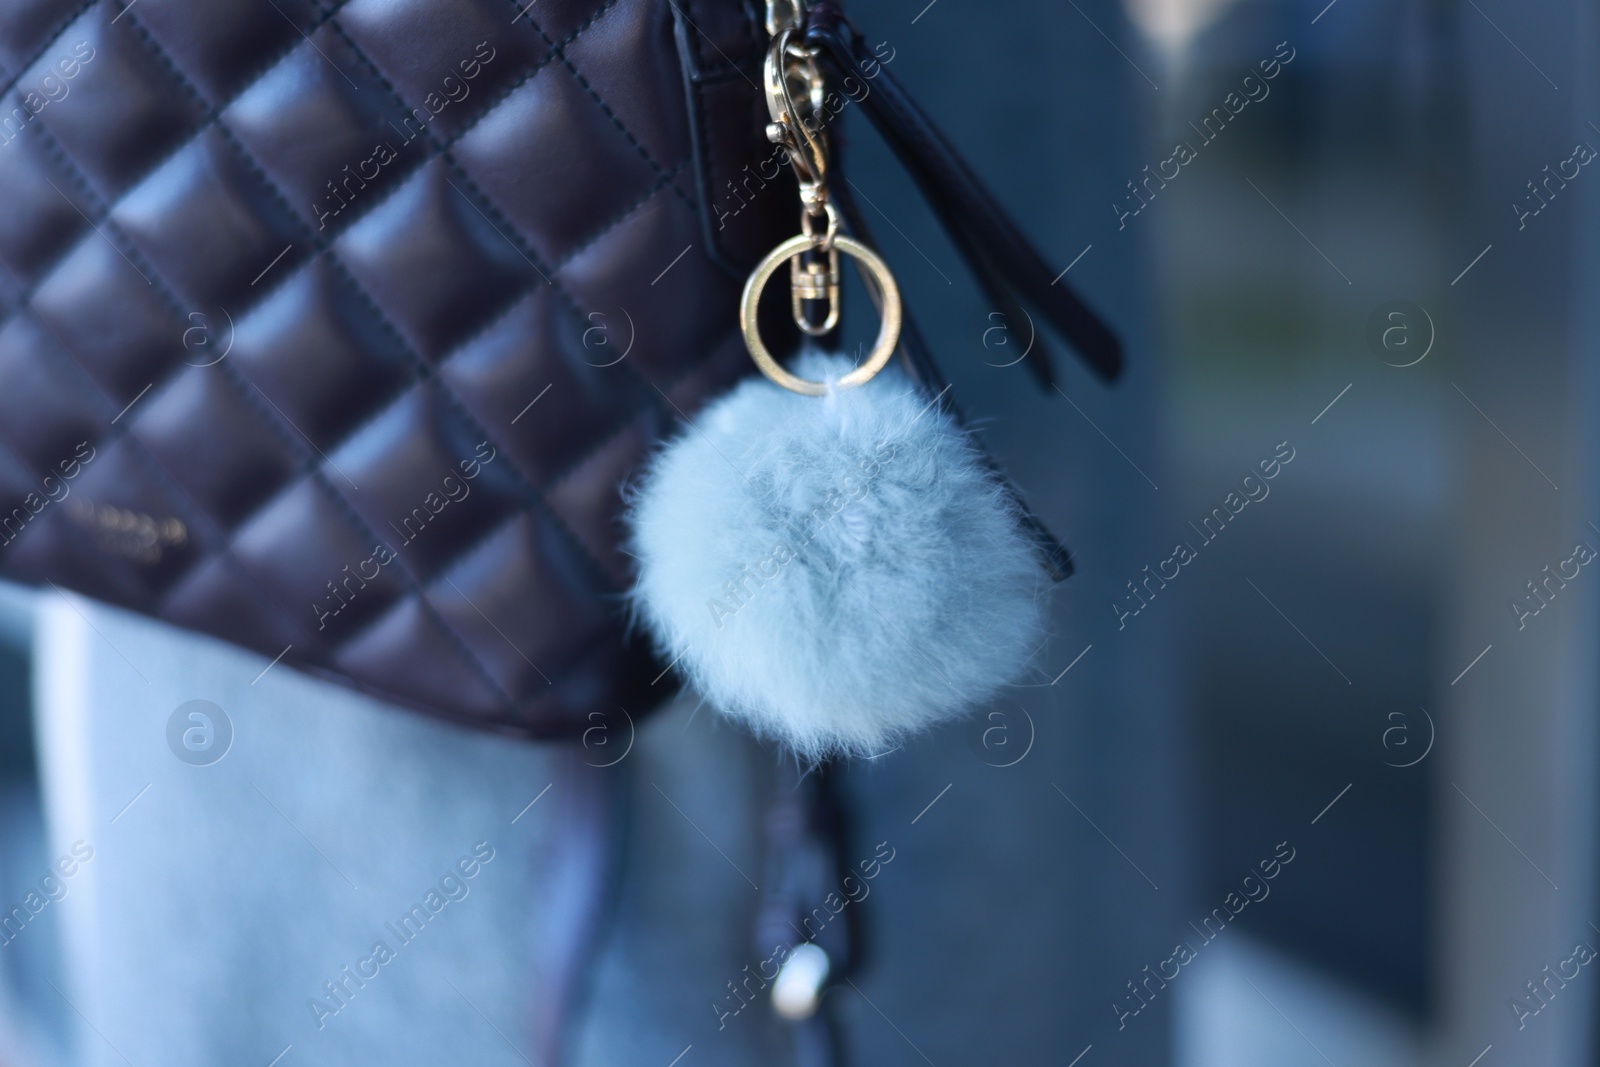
(332, 329)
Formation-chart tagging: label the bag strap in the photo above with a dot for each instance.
(1008, 267)
(1054, 557)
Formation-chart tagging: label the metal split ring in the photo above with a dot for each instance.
(874, 269)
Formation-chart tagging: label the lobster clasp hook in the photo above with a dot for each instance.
(795, 91)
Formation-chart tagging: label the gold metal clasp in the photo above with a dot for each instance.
(817, 279)
(793, 76)
(782, 14)
(877, 274)
(814, 274)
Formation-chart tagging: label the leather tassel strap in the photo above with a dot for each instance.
(919, 363)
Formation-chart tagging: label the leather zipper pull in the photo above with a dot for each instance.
(1008, 267)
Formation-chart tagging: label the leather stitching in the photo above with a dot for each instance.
(424, 371)
(494, 319)
(211, 114)
(321, 246)
(539, 65)
(317, 475)
(616, 431)
(622, 216)
(560, 51)
(224, 538)
(506, 226)
(310, 468)
(520, 294)
(185, 501)
(527, 250)
(55, 36)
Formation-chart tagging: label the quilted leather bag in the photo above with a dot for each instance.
(315, 318)
(331, 328)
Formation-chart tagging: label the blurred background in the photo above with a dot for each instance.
(1374, 268)
(1349, 261)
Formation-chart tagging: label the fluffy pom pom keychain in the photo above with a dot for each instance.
(826, 555)
(836, 571)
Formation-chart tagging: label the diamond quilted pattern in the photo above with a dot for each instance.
(45, 410)
(603, 59)
(486, 598)
(207, 222)
(128, 109)
(412, 649)
(107, 313)
(320, 353)
(560, 22)
(224, 51)
(434, 261)
(586, 498)
(431, 484)
(221, 598)
(328, 143)
(333, 584)
(45, 210)
(539, 353)
(288, 350)
(556, 198)
(27, 26)
(446, 61)
(653, 288)
(200, 412)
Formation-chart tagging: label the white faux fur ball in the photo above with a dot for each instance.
(836, 572)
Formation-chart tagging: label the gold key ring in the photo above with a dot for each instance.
(813, 278)
(874, 268)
